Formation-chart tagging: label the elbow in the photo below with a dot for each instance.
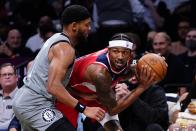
(116, 108)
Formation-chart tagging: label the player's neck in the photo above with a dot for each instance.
(71, 38)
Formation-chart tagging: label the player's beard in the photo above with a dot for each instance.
(81, 38)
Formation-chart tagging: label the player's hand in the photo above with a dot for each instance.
(146, 77)
(121, 90)
(96, 113)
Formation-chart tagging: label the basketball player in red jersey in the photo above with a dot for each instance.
(96, 75)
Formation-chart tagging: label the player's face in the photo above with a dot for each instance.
(83, 30)
(119, 57)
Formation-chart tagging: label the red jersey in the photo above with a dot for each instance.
(84, 86)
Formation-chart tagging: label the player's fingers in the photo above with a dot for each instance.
(152, 78)
(101, 110)
(122, 91)
(149, 72)
(100, 116)
(124, 86)
(145, 70)
(118, 86)
(119, 94)
(163, 57)
(119, 89)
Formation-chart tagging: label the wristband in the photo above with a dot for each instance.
(80, 107)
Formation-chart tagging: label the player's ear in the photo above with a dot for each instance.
(74, 26)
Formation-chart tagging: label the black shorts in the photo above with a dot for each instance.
(61, 125)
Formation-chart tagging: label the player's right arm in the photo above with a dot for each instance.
(146, 78)
(60, 57)
(103, 82)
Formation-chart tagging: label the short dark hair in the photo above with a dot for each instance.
(74, 13)
(8, 64)
(121, 36)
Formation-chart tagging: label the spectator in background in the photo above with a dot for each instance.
(14, 125)
(173, 4)
(27, 13)
(4, 29)
(8, 81)
(189, 57)
(13, 47)
(178, 47)
(45, 32)
(174, 101)
(149, 40)
(191, 95)
(184, 118)
(36, 41)
(175, 70)
(136, 52)
(110, 18)
(148, 15)
(146, 11)
(148, 113)
(58, 6)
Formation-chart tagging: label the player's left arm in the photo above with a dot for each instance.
(102, 80)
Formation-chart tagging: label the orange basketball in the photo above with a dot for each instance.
(156, 63)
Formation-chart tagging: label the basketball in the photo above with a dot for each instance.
(156, 63)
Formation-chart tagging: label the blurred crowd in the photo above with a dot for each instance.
(165, 27)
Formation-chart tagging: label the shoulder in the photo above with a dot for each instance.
(97, 68)
(64, 47)
(63, 51)
(97, 71)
